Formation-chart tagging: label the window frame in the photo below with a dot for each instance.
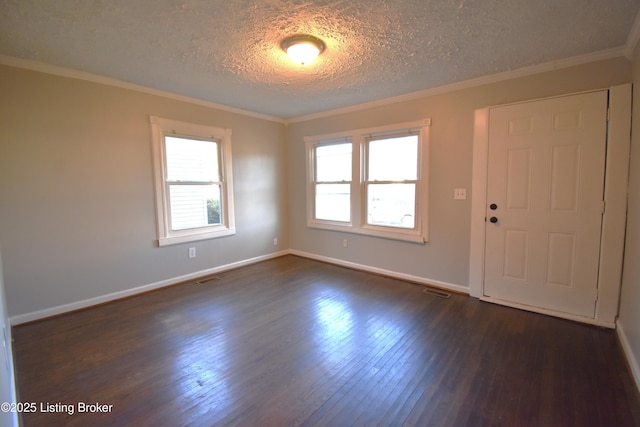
(314, 182)
(161, 127)
(367, 182)
(360, 139)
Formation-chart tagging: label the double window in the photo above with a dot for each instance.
(370, 181)
(193, 180)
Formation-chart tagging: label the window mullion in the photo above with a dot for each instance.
(405, 181)
(170, 182)
(332, 182)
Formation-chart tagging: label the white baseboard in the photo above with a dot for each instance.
(393, 274)
(632, 360)
(65, 308)
(78, 305)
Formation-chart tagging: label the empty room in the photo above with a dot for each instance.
(326, 213)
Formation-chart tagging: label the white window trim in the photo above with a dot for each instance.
(161, 127)
(358, 224)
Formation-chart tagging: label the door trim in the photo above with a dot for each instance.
(613, 221)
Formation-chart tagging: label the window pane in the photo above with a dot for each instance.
(191, 160)
(333, 202)
(194, 206)
(391, 205)
(333, 162)
(393, 159)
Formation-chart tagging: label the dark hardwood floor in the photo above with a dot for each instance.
(293, 341)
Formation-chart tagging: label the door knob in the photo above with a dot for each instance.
(493, 219)
(493, 206)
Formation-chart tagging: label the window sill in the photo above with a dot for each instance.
(401, 235)
(186, 238)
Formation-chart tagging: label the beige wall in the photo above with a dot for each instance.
(629, 319)
(446, 257)
(77, 215)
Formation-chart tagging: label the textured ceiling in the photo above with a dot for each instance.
(227, 51)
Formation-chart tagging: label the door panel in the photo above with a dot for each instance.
(518, 179)
(561, 253)
(546, 179)
(516, 243)
(565, 174)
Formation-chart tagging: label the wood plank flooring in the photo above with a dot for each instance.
(291, 341)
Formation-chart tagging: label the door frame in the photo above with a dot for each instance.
(613, 220)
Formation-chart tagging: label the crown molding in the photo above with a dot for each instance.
(478, 81)
(633, 38)
(622, 51)
(95, 78)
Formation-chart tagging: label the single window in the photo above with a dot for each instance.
(370, 181)
(392, 181)
(192, 168)
(194, 182)
(332, 182)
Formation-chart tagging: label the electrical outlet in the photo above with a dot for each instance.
(460, 193)
(192, 252)
(345, 243)
(275, 241)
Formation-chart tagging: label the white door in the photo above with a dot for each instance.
(545, 187)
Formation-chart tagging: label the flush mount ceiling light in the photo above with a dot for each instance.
(302, 48)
